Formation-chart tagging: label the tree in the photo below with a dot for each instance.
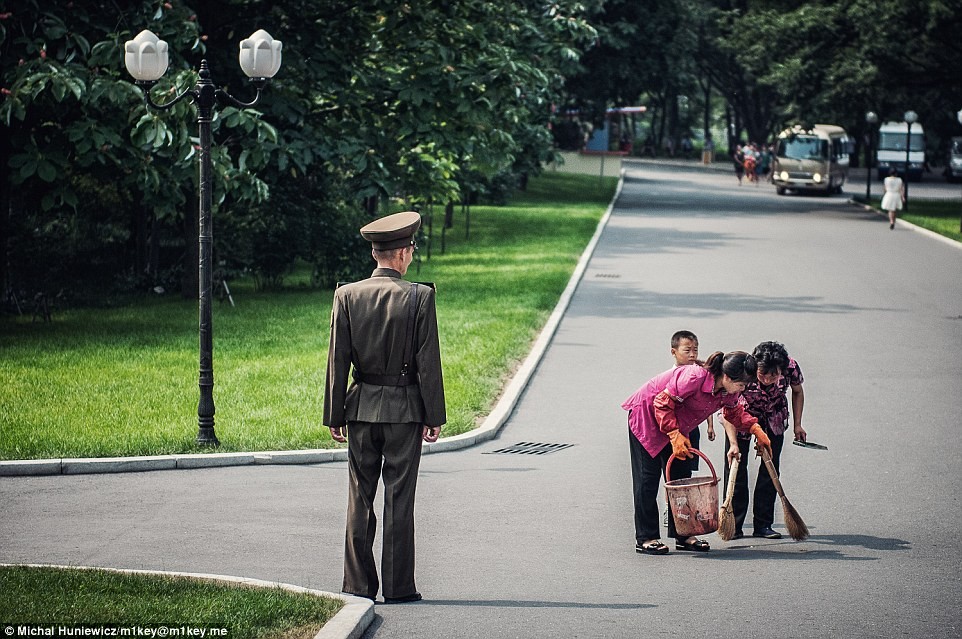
(93, 182)
(376, 99)
(831, 61)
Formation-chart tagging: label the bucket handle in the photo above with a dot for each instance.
(714, 477)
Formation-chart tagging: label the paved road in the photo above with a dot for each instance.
(542, 546)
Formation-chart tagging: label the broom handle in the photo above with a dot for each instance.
(732, 472)
(771, 471)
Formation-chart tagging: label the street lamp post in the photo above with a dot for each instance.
(870, 120)
(146, 59)
(910, 118)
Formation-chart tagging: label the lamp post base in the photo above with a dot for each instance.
(207, 438)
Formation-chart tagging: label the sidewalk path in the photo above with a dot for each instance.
(542, 545)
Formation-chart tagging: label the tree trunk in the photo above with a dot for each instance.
(706, 120)
(141, 215)
(153, 249)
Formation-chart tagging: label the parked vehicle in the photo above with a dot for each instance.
(891, 150)
(953, 163)
(813, 159)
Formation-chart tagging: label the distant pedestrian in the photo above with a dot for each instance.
(894, 197)
(738, 159)
(386, 329)
(764, 168)
(661, 414)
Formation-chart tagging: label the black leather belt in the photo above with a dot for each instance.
(385, 380)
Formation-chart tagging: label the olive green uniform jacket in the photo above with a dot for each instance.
(368, 326)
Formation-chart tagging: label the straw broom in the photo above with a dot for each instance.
(726, 516)
(793, 521)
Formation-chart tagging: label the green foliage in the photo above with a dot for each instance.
(96, 184)
(376, 98)
(832, 61)
(778, 62)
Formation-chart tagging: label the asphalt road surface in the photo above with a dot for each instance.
(543, 546)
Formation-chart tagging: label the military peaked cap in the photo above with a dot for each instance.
(392, 231)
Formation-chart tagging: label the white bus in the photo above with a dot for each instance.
(813, 159)
(891, 150)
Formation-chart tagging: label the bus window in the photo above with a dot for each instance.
(888, 141)
(803, 148)
(840, 148)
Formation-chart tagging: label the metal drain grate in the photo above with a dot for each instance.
(613, 276)
(529, 448)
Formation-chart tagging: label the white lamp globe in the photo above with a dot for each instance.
(260, 55)
(146, 57)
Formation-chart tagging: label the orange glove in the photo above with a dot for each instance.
(761, 440)
(680, 445)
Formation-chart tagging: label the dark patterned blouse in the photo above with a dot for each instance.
(769, 404)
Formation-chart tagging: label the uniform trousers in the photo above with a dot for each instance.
(391, 451)
(646, 475)
(763, 499)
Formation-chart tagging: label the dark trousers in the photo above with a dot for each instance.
(391, 451)
(763, 499)
(646, 476)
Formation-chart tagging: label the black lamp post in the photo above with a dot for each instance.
(146, 59)
(910, 118)
(870, 120)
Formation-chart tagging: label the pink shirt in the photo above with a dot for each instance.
(691, 387)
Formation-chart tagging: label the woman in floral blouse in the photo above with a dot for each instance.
(766, 400)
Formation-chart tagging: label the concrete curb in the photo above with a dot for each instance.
(913, 227)
(350, 622)
(488, 430)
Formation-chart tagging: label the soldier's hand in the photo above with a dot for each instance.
(337, 434)
(431, 433)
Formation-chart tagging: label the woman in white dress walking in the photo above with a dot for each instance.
(894, 197)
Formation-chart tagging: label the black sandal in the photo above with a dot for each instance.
(699, 545)
(654, 547)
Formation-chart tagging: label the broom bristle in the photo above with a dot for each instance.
(726, 523)
(793, 521)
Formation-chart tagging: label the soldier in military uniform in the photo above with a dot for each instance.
(386, 328)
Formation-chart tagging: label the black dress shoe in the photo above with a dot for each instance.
(767, 533)
(738, 535)
(406, 599)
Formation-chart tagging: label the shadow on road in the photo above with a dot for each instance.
(787, 549)
(865, 541)
(619, 301)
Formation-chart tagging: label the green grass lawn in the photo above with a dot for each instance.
(941, 216)
(93, 598)
(123, 381)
